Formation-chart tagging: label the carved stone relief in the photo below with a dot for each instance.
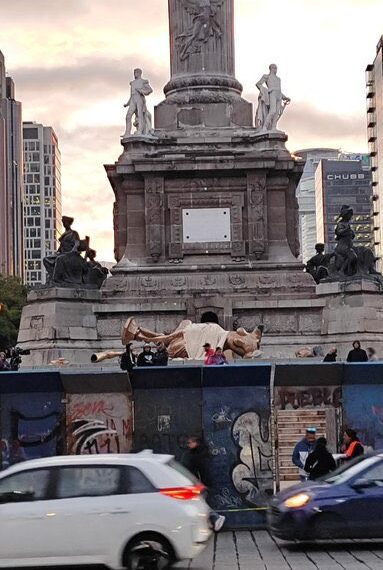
(257, 214)
(154, 215)
(205, 24)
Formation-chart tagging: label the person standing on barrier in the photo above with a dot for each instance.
(128, 359)
(145, 358)
(195, 459)
(357, 354)
(209, 354)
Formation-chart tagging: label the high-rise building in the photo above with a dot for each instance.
(11, 179)
(42, 198)
(339, 182)
(306, 197)
(374, 84)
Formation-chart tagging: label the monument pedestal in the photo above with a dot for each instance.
(205, 218)
(59, 323)
(353, 311)
(206, 227)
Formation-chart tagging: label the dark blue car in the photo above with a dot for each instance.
(348, 503)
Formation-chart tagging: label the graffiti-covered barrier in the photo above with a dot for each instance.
(230, 407)
(236, 425)
(167, 408)
(31, 416)
(363, 402)
(98, 412)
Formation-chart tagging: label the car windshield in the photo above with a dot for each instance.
(349, 470)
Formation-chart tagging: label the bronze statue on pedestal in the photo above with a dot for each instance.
(68, 268)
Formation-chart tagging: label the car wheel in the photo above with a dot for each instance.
(148, 552)
(328, 526)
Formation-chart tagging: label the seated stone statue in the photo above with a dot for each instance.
(96, 273)
(349, 261)
(68, 267)
(317, 266)
(69, 242)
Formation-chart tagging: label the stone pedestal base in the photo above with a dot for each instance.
(59, 323)
(75, 324)
(353, 311)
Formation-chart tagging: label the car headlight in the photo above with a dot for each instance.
(297, 501)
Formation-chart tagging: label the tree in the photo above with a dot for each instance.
(13, 296)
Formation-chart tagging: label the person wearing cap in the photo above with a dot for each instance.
(302, 450)
(146, 358)
(209, 354)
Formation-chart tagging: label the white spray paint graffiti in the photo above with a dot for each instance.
(252, 477)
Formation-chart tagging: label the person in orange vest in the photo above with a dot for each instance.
(352, 446)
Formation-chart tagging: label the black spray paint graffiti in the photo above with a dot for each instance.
(93, 437)
(252, 475)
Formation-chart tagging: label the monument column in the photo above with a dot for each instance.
(202, 66)
(202, 45)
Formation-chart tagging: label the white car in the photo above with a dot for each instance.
(118, 510)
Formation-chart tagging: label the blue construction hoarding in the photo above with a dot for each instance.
(31, 415)
(236, 426)
(363, 402)
(229, 406)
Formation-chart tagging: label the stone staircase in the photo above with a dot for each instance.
(291, 427)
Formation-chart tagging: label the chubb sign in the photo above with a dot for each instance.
(345, 176)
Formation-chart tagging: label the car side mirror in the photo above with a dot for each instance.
(361, 483)
(16, 497)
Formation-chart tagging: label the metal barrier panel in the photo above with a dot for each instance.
(31, 416)
(99, 416)
(236, 421)
(167, 408)
(363, 402)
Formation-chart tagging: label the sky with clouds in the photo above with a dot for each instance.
(72, 62)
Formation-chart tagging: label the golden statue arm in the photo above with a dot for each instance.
(100, 356)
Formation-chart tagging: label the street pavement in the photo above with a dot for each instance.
(257, 550)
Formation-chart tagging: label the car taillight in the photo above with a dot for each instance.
(183, 493)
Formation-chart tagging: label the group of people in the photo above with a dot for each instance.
(357, 354)
(4, 364)
(147, 357)
(214, 357)
(314, 460)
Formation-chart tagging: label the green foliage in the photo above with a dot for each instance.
(13, 294)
